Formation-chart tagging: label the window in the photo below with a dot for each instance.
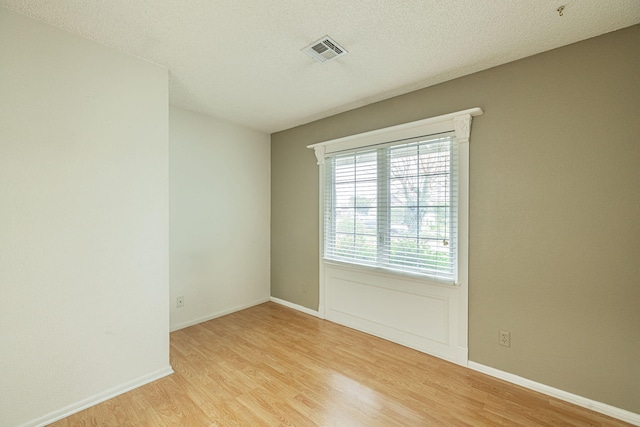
(397, 198)
(394, 206)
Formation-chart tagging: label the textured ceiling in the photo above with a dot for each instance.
(240, 60)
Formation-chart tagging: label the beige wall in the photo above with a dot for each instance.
(554, 211)
(83, 222)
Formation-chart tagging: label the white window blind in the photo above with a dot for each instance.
(394, 206)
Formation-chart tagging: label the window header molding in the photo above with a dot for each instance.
(460, 122)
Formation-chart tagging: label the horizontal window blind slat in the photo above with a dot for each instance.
(394, 207)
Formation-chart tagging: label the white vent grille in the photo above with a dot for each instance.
(324, 50)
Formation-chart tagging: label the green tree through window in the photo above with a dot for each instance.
(394, 206)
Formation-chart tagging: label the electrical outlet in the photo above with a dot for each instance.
(505, 338)
(306, 288)
(180, 301)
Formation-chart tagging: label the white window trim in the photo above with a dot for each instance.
(460, 122)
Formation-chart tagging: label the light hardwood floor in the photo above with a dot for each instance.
(271, 365)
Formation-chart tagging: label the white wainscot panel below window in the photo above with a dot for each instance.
(411, 312)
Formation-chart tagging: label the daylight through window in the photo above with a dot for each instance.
(394, 206)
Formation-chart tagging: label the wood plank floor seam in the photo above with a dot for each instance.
(270, 365)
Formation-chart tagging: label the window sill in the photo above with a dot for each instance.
(387, 272)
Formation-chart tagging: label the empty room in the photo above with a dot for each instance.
(368, 213)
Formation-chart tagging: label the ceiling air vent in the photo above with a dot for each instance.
(324, 50)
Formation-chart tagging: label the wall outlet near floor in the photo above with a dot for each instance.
(505, 338)
(306, 288)
(180, 301)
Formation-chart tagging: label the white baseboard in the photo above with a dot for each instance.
(462, 356)
(217, 314)
(98, 398)
(603, 408)
(295, 306)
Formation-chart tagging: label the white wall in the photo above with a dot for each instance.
(83, 222)
(219, 177)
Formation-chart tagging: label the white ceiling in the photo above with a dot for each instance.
(240, 60)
